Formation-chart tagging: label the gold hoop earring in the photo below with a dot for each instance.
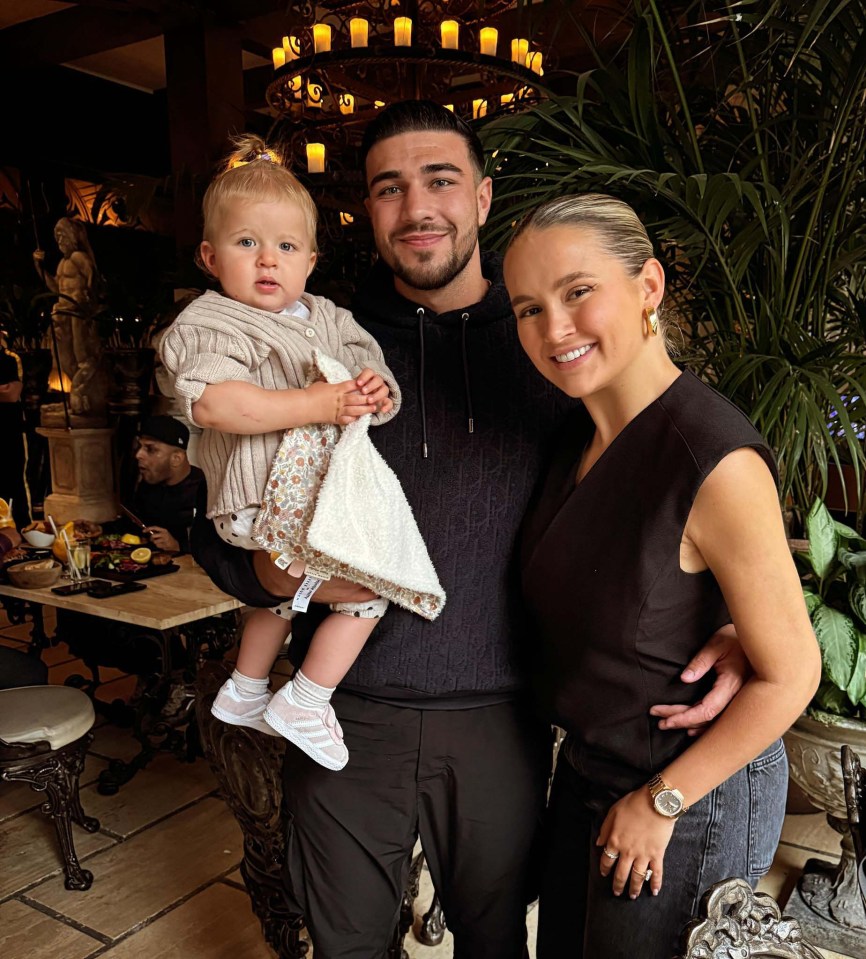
(651, 321)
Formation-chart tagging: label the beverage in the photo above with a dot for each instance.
(81, 557)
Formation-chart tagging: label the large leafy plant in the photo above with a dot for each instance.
(834, 584)
(738, 132)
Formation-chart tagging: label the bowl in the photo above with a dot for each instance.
(24, 576)
(36, 537)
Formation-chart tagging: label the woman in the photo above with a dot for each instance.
(657, 523)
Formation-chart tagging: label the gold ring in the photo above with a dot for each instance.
(609, 854)
(643, 875)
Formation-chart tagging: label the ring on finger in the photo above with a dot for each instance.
(646, 876)
(609, 854)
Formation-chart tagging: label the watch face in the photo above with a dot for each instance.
(668, 803)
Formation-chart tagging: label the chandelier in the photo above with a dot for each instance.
(340, 62)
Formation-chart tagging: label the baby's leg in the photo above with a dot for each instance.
(245, 696)
(301, 711)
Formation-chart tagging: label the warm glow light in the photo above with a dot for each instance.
(314, 94)
(279, 57)
(347, 103)
(346, 219)
(488, 38)
(506, 98)
(450, 34)
(321, 38)
(358, 29)
(296, 84)
(533, 62)
(449, 106)
(315, 158)
(378, 104)
(403, 32)
(519, 49)
(292, 46)
(59, 384)
(479, 109)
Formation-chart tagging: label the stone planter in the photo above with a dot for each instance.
(827, 898)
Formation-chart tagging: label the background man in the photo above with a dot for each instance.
(165, 497)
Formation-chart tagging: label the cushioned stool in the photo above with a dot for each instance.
(44, 735)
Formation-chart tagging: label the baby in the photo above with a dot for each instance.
(243, 362)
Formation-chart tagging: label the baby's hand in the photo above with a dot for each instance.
(376, 390)
(339, 403)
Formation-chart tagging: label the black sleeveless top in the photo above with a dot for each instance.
(617, 619)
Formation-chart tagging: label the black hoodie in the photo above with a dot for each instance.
(473, 402)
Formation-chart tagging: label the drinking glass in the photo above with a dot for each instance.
(81, 557)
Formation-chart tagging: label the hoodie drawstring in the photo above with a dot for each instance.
(468, 391)
(421, 395)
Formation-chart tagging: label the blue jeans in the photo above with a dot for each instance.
(733, 831)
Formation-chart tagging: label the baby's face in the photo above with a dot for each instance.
(261, 252)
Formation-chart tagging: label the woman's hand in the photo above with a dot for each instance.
(638, 836)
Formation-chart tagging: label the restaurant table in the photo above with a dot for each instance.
(180, 610)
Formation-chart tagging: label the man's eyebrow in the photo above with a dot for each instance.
(426, 170)
(561, 282)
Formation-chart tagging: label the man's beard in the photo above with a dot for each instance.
(424, 275)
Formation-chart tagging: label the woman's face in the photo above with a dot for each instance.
(579, 314)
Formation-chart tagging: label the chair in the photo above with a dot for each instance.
(44, 736)
(855, 798)
(737, 921)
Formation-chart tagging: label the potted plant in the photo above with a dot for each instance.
(834, 584)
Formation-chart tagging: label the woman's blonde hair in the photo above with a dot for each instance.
(256, 171)
(614, 222)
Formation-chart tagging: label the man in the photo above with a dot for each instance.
(441, 738)
(165, 498)
(13, 462)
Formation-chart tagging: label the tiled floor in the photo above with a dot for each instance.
(166, 860)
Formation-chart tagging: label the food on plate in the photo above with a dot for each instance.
(36, 564)
(161, 559)
(141, 555)
(76, 530)
(130, 539)
(38, 526)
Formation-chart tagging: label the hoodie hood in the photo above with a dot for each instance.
(378, 298)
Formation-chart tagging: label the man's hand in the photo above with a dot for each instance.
(376, 390)
(724, 654)
(162, 539)
(280, 583)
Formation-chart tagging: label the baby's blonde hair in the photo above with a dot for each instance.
(255, 171)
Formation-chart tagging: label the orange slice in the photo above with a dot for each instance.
(141, 555)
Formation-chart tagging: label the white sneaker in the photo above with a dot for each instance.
(231, 708)
(317, 732)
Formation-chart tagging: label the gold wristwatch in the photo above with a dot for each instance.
(667, 801)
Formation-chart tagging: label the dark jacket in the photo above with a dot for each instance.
(475, 404)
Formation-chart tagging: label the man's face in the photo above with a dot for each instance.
(426, 205)
(155, 459)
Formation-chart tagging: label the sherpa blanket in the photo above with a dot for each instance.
(332, 503)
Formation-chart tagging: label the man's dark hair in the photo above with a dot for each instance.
(419, 116)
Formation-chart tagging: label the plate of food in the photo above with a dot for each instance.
(127, 565)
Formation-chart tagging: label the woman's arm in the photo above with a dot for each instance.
(244, 408)
(736, 526)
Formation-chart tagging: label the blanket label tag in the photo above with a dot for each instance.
(282, 561)
(305, 594)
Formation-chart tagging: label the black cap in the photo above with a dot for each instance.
(167, 430)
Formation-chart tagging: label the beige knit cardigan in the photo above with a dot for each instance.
(215, 340)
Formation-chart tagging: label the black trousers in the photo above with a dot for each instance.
(471, 782)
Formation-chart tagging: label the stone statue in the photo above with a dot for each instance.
(72, 317)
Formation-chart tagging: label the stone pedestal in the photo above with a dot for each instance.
(82, 475)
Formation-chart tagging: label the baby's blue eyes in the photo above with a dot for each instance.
(248, 243)
(287, 247)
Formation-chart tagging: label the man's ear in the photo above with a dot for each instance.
(484, 194)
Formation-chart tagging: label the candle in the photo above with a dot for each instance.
(358, 30)
(314, 94)
(296, 84)
(346, 218)
(506, 99)
(519, 49)
(315, 158)
(403, 32)
(279, 57)
(347, 103)
(378, 104)
(292, 46)
(479, 109)
(533, 62)
(321, 38)
(488, 38)
(449, 106)
(450, 34)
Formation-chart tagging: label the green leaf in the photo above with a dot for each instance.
(857, 684)
(833, 700)
(838, 639)
(857, 599)
(813, 601)
(821, 534)
(845, 532)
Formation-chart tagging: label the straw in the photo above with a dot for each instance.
(53, 526)
(73, 568)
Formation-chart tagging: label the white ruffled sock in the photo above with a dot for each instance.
(308, 694)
